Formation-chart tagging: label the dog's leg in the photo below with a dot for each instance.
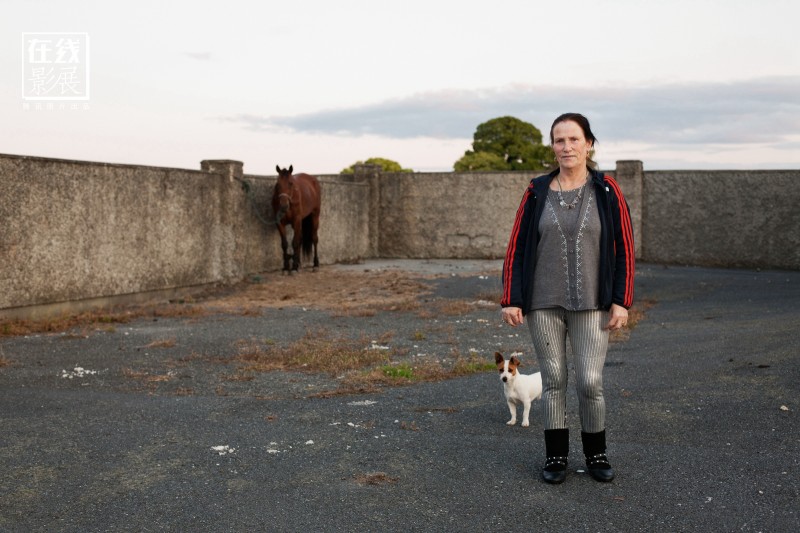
(526, 411)
(513, 408)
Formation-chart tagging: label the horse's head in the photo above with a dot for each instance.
(284, 189)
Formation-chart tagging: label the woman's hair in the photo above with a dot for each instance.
(578, 119)
(583, 122)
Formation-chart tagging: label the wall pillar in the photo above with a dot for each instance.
(229, 168)
(228, 255)
(372, 175)
(630, 176)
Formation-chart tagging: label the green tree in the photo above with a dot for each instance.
(386, 164)
(478, 161)
(517, 145)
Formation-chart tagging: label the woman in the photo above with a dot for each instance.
(569, 271)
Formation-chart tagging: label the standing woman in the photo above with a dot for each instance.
(569, 271)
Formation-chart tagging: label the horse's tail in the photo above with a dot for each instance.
(308, 236)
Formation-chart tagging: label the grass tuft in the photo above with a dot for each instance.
(100, 319)
(316, 352)
(164, 343)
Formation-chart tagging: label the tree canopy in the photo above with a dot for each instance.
(387, 165)
(506, 143)
(479, 161)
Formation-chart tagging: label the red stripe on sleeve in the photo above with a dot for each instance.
(627, 238)
(511, 250)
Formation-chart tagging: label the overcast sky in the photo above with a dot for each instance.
(321, 84)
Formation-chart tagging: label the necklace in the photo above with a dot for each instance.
(575, 200)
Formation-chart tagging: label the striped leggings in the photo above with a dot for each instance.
(589, 341)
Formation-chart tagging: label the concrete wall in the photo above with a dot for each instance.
(450, 215)
(743, 219)
(72, 229)
(78, 234)
(84, 233)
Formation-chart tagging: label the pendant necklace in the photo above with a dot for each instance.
(575, 201)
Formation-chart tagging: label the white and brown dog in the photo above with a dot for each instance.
(518, 387)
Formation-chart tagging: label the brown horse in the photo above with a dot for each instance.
(296, 201)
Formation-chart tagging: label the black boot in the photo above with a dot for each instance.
(556, 443)
(594, 448)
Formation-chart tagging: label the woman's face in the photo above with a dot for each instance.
(570, 145)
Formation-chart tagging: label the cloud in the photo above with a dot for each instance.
(764, 110)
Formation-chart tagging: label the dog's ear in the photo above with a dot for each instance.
(498, 357)
(515, 360)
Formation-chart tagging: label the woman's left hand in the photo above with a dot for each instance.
(512, 316)
(618, 317)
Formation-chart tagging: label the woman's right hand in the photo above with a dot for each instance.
(512, 316)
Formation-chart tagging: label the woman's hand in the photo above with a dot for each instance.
(512, 316)
(618, 317)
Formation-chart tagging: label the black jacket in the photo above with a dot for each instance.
(617, 261)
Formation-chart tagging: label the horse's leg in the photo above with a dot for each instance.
(284, 246)
(315, 237)
(297, 242)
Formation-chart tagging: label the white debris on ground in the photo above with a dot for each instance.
(224, 450)
(363, 402)
(376, 346)
(77, 372)
(274, 448)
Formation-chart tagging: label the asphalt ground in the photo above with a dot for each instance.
(702, 421)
